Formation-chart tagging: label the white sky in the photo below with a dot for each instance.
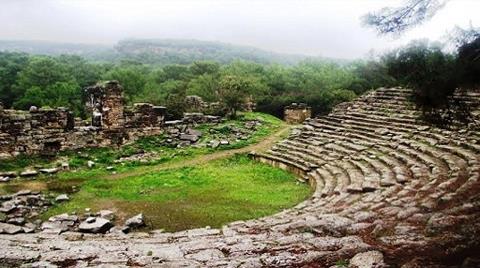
(328, 28)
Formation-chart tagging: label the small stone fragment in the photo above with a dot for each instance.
(62, 198)
(49, 170)
(6, 228)
(29, 173)
(107, 214)
(367, 260)
(98, 225)
(135, 221)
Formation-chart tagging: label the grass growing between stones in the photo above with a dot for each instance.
(104, 157)
(212, 194)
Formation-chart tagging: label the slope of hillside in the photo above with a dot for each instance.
(158, 51)
(186, 51)
(54, 48)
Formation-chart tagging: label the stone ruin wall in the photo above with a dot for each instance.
(297, 113)
(47, 131)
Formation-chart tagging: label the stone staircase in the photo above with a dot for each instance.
(384, 184)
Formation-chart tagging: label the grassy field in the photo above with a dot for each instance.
(213, 194)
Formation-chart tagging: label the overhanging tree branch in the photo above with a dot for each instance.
(396, 20)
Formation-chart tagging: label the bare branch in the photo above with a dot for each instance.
(396, 20)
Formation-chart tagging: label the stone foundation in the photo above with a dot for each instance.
(48, 131)
(297, 113)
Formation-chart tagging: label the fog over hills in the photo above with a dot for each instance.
(158, 51)
(328, 28)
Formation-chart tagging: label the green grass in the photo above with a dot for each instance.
(212, 194)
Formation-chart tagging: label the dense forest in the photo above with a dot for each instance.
(27, 80)
(58, 80)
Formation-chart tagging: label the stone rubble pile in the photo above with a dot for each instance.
(95, 223)
(389, 191)
(19, 212)
(183, 135)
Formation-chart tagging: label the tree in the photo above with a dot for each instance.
(10, 65)
(370, 74)
(41, 72)
(205, 86)
(204, 67)
(60, 94)
(233, 93)
(176, 72)
(175, 101)
(131, 77)
(85, 73)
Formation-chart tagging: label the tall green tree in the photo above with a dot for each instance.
(11, 64)
(131, 77)
(233, 93)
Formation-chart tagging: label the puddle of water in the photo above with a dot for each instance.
(50, 185)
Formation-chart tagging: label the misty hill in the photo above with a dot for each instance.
(53, 48)
(186, 51)
(157, 51)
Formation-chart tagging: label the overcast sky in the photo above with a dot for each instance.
(328, 28)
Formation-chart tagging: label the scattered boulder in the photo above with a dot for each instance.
(23, 193)
(224, 142)
(28, 173)
(214, 144)
(107, 214)
(136, 221)
(55, 227)
(189, 137)
(120, 230)
(16, 221)
(367, 260)
(6, 228)
(5, 179)
(95, 225)
(64, 217)
(9, 174)
(8, 207)
(62, 198)
(194, 132)
(49, 170)
(90, 164)
(65, 166)
(33, 109)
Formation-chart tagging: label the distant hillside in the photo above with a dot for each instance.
(157, 51)
(186, 51)
(54, 48)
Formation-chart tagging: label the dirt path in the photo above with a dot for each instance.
(258, 147)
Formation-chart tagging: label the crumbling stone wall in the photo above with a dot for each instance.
(105, 101)
(297, 113)
(48, 131)
(144, 115)
(195, 104)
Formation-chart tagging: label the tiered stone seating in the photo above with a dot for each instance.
(384, 181)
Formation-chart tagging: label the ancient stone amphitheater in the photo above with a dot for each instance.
(390, 191)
